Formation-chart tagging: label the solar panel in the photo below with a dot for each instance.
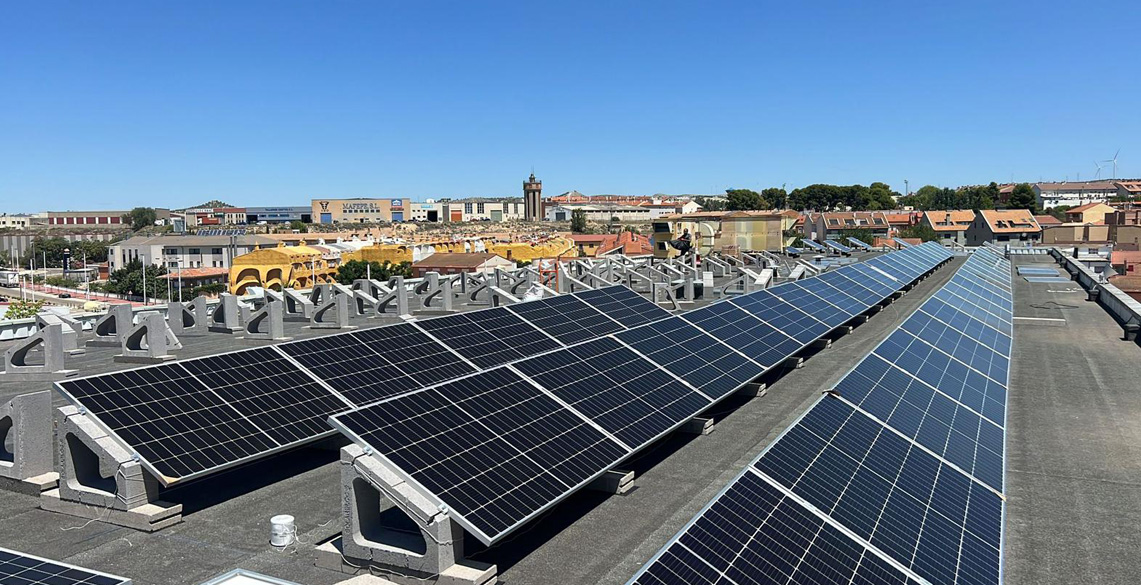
(904, 501)
(629, 397)
(902, 243)
(709, 365)
(372, 364)
(270, 391)
(791, 251)
(904, 458)
(755, 533)
(814, 246)
(1047, 279)
(782, 316)
(623, 305)
(182, 427)
(838, 246)
(932, 419)
(865, 297)
(797, 295)
(493, 447)
(17, 568)
(1037, 271)
(762, 342)
(567, 318)
(859, 243)
(489, 337)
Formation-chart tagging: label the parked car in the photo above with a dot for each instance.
(64, 295)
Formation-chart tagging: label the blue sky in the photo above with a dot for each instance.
(117, 104)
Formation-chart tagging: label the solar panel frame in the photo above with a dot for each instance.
(18, 568)
(518, 381)
(815, 247)
(166, 468)
(489, 337)
(557, 317)
(838, 246)
(399, 358)
(749, 334)
(783, 316)
(623, 305)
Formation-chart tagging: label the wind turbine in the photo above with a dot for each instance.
(1114, 161)
(1099, 167)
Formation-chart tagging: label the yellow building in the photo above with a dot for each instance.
(724, 231)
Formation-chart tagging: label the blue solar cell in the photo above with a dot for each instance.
(760, 341)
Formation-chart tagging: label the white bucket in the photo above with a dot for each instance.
(281, 530)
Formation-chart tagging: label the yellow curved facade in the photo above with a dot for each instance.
(302, 266)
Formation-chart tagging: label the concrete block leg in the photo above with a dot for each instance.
(26, 425)
(298, 307)
(50, 340)
(99, 479)
(110, 327)
(149, 342)
(332, 314)
(267, 323)
(71, 331)
(381, 515)
(224, 319)
(191, 318)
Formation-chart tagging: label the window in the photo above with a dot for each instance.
(216, 251)
(170, 251)
(195, 251)
(467, 207)
(479, 208)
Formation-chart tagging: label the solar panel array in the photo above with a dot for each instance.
(896, 476)
(577, 411)
(17, 568)
(814, 246)
(838, 246)
(193, 417)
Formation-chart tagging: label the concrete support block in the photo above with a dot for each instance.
(188, 318)
(50, 340)
(437, 291)
(149, 342)
(614, 481)
(332, 314)
(26, 424)
(298, 307)
(822, 344)
(224, 319)
(99, 479)
(71, 331)
(377, 506)
(364, 304)
(697, 426)
(398, 295)
(754, 389)
(267, 323)
(320, 293)
(1131, 331)
(110, 327)
(1093, 293)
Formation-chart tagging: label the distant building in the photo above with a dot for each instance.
(214, 216)
(361, 210)
(1073, 194)
(185, 251)
(1088, 213)
(533, 199)
(482, 210)
(829, 225)
(279, 214)
(950, 226)
(1009, 225)
(455, 263)
(1131, 189)
(106, 218)
(724, 231)
(15, 220)
(599, 212)
(624, 242)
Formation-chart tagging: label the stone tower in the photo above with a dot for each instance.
(532, 199)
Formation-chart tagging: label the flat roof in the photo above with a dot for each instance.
(1073, 471)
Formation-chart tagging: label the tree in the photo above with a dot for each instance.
(710, 204)
(354, 270)
(1023, 197)
(141, 217)
(211, 290)
(23, 309)
(578, 221)
(776, 196)
(921, 231)
(1059, 212)
(879, 197)
(745, 200)
(297, 225)
(129, 280)
(862, 234)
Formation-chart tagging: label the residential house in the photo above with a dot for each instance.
(830, 225)
(1088, 213)
(455, 263)
(1003, 226)
(950, 226)
(624, 242)
(1073, 194)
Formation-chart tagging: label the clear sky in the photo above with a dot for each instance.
(116, 104)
